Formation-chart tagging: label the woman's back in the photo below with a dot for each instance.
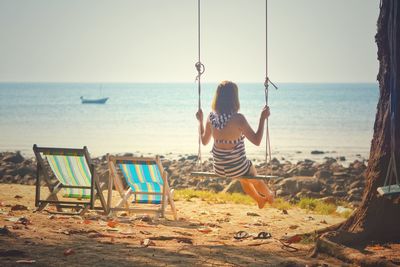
(227, 136)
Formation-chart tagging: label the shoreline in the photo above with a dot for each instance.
(329, 179)
(293, 156)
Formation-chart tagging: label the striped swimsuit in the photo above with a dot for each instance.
(232, 162)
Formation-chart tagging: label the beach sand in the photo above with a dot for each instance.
(202, 236)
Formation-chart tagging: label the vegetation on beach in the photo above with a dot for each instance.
(315, 205)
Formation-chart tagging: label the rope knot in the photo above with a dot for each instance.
(267, 82)
(200, 68)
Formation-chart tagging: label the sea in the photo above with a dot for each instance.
(336, 119)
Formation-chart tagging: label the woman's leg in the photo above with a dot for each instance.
(263, 189)
(260, 185)
(250, 190)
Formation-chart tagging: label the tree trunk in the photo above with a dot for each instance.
(378, 218)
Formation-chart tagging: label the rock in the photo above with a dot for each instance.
(7, 178)
(275, 161)
(342, 174)
(233, 187)
(317, 152)
(329, 160)
(14, 158)
(323, 174)
(341, 209)
(356, 191)
(24, 171)
(338, 187)
(280, 193)
(308, 194)
(327, 191)
(339, 193)
(357, 184)
(216, 187)
(306, 171)
(328, 200)
(293, 185)
(192, 157)
(358, 165)
(291, 171)
(342, 158)
(27, 162)
(354, 198)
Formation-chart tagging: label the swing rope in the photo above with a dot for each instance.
(200, 70)
(268, 154)
(393, 84)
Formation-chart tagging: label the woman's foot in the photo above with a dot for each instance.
(261, 202)
(271, 197)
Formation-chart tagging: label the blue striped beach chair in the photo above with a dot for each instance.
(146, 183)
(75, 177)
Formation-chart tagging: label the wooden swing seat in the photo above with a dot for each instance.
(212, 174)
(389, 190)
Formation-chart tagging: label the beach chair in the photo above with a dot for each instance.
(146, 181)
(77, 186)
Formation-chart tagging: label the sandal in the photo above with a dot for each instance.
(288, 247)
(241, 235)
(263, 235)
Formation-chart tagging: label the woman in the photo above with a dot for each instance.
(229, 128)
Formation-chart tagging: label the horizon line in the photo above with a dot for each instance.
(186, 82)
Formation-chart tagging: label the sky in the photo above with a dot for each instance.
(156, 40)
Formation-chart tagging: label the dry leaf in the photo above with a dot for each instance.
(19, 207)
(112, 224)
(147, 242)
(69, 252)
(204, 230)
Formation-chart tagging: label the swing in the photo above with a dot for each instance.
(200, 70)
(389, 189)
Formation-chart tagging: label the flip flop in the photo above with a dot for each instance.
(263, 235)
(241, 235)
(288, 247)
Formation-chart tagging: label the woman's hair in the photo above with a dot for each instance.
(226, 98)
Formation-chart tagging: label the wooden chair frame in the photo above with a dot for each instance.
(81, 207)
(116, 180)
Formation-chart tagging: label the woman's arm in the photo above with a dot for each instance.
(254, 137)
(205, 134)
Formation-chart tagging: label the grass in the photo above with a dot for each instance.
(211, 197)
(314, 205)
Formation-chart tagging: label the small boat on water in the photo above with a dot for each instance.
(94, 101)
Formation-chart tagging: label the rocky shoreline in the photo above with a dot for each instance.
(329, 180)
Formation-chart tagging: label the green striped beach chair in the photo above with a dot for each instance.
(76, 180)
(146, 183)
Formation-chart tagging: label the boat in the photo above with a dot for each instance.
(94, 101)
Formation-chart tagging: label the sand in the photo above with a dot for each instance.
(203, 236)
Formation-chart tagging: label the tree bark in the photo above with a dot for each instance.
(378, 218)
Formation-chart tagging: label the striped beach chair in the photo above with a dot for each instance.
(146, 183)
(77, 186)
